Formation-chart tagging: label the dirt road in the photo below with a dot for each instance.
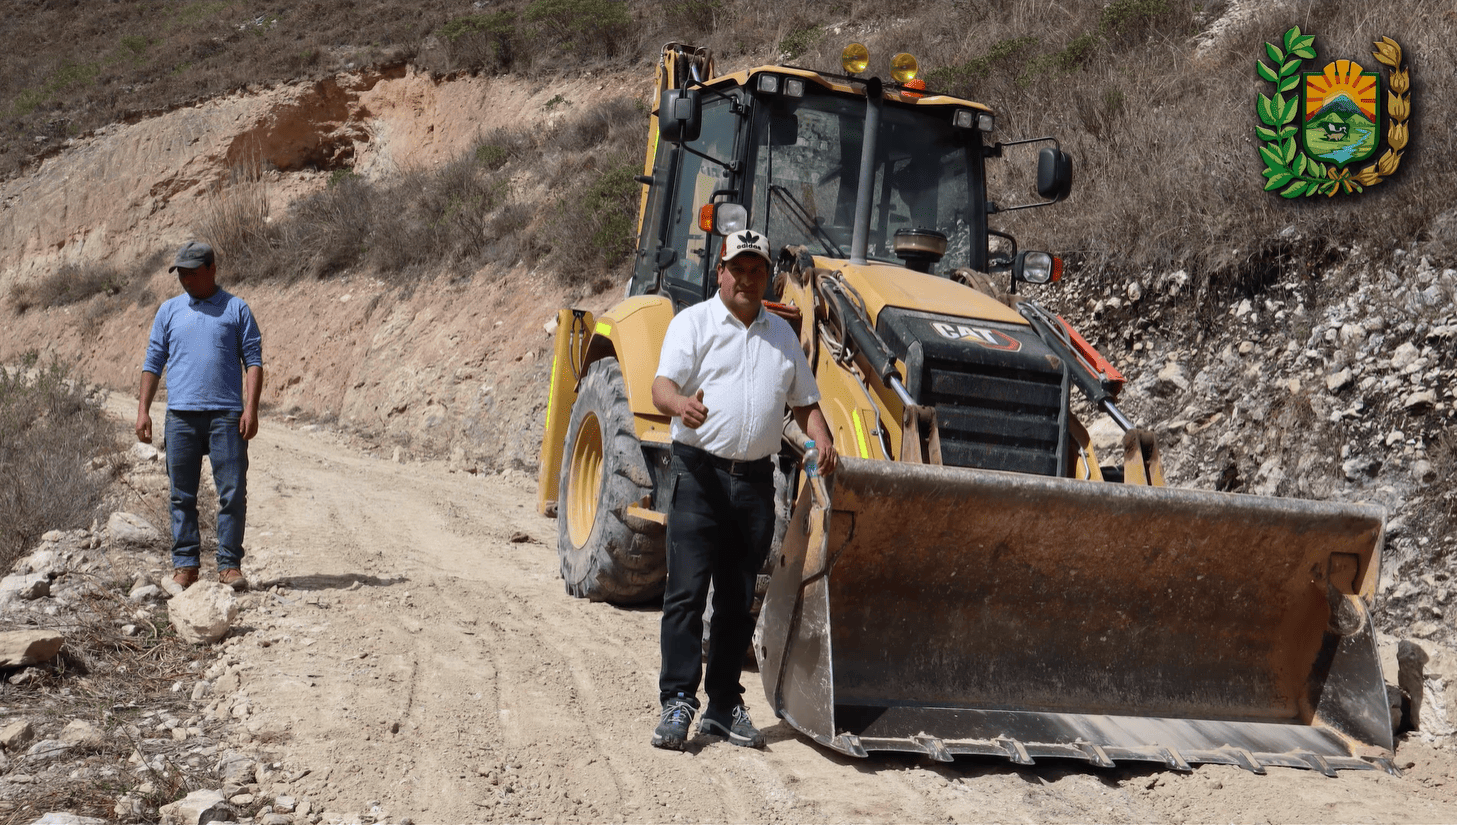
(411, 648)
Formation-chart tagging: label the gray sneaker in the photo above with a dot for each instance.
(733, 724)
(672, 731)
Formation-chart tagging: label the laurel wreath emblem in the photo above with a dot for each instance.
(1285, 165)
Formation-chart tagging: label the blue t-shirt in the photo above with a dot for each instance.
(205, 344)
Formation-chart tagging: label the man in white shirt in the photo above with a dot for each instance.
(727, 370)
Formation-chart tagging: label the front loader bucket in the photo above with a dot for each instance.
(944, 610)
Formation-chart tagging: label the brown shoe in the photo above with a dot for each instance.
(184, 577)
(233, 577)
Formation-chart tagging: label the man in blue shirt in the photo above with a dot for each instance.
(210, 346)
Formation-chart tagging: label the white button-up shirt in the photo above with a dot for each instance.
(747, 375)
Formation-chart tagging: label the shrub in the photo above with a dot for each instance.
(500, 146)
(696, 17)
(619, 119)
(328, 233)
(481, 42)
(586, 27)
(600, 210)
(71, 283)
(235, 222)
(1130, 16)
(799, 41)
(51, 429)
(957, 78)
(1078, 51)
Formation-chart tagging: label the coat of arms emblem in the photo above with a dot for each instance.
(1315, 140)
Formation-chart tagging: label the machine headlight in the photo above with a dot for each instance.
(729, 218)
(1037, 267)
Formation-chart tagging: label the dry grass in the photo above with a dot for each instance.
(109, 678)
(52, 431)
(76, 282)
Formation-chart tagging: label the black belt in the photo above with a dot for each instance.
(734, 467)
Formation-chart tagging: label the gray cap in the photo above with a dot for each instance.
(192, 255)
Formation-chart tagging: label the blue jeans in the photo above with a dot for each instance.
(190, 436)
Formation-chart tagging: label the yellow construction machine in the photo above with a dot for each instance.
(972, 579)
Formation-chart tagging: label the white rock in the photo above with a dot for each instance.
(47, 749)
(1404, 355)
(144, 593)
(19, 648)
(143, 452)
(128, 808)
(203, 613)
(1358, 467)
(1134, 291)
(16, 735)
(1171, 379)
(26, 586)
(131, 529)
(197, 808)
(63, 818)
(237, 768)
(1420, 401)
(1339, 380)
(83, 735)
(47, 561)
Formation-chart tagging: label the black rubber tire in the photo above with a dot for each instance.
(609, 561)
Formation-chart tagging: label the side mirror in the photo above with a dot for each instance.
(784, 131)
(678, 119)
(1054, 174)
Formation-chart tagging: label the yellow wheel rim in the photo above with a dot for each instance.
(585, 483)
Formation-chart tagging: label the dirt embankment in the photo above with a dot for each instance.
(451, 368)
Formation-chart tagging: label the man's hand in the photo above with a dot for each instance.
(828, 456)
(248, 425)
(668, 397)
(252, 391)
(692, 411)
(812, 421)
(145, 395)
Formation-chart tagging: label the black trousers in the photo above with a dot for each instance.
(720, 526)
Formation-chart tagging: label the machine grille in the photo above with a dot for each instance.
(995, 418)
(1000, 394)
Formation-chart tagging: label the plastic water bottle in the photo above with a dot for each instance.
(811, 459)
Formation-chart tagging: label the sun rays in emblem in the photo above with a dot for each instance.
(1343, 78)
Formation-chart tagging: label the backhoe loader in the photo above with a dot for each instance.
(972, 579)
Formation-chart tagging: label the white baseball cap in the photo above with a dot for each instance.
(748, 240)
